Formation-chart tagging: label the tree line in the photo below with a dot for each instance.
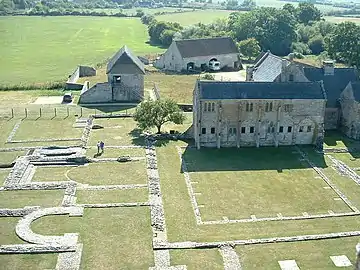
(300, 30)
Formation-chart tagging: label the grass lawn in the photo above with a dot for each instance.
(11, 98)
(116, 131)
(177, 87)
(61, 41)
(22, 198)
(110, 173)
(105, 233)
(3, 174)
(197, 259)
(116, 152)
(180, 221)
(308, 255)
(28, 261)
(281, 182)
(50, 174)
(57, 128)
(9, 157)
(112, 196)
(7, 232)
(190, 18)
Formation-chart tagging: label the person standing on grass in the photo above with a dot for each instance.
(102, 146)
(98, 147)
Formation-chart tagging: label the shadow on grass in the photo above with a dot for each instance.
(333, 137)
(249, 159)
(110, 108)
(137, 137)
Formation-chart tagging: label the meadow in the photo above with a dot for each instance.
(43, 49)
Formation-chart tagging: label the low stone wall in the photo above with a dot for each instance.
(80, 71)
(99, 93)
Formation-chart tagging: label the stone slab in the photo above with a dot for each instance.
(288, 265)
(70, 260)
(341, 261)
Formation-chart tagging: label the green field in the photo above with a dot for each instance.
(42, 49)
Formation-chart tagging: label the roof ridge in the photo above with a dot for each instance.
(188, 39)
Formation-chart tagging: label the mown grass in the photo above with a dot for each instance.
(22, 198)
(197, 259)
(180, 220)
(50, 174)
(46, 49)
(116, 152)
(9, 157)
(342, 19)
(105, 232)
(28, 261)
(110, 173)
(190, 18)
(282, 184)
(112, 196)
(308, 255)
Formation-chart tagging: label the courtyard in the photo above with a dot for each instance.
(62, 203)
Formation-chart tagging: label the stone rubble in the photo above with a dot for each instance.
(18, 212)
(110, 205)
(230, 258)
(13, 132)
(111, 187)
(31, 248)
(24, 232)
(70, 260)
(345, 170)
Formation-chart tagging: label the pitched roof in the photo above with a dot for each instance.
(356, 90)
(261, 90)
(126, 62)
(333, 84)
(206, 46)
(268, 67)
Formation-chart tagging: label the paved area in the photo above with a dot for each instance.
(49, 100)
(229, 76)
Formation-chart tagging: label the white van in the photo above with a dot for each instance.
(214, 65)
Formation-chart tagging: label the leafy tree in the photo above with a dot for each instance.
(147, 19)
(343, 43)
(151, 113)
(299, 47)
(139, 13)
(248, 4)
(156, 28)
(289, 8)
(306, 32)
(166, 37)
(274, 29)
(307, 12)
(325, 28)
(249, 47)
(316, 44)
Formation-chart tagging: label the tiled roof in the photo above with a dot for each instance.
(126, 61)
(206, 47)
(261, 90)
(268, 68)
(333, 84)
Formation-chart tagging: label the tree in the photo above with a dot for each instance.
(250, 4)
(316, 44)
(151, 113)
(343, 43)
(290, 8)
(307, 12)
(249, 47)
(147, 19)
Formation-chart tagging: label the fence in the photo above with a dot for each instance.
(156, 91)
(51, 112)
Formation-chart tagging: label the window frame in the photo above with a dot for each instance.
(203, 131)
(212, 130)
(252, 129)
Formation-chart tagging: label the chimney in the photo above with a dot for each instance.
(329, 66)
(283, 76)
(249, 72)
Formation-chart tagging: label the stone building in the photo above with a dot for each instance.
(237, 114)
(125, 83)
(197, 53)
(350, 110)
(271, 68)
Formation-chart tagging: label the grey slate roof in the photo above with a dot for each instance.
(261, 90)
(268, 68)
(333, 84)
(356, 90)
(126, 62)
(206, 46)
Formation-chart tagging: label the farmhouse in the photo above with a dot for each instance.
(193, 54)
(271, 68)
(236, 114)
(125, 74)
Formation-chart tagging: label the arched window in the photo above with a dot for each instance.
(247, 107)
(213, 107)
(267, 107)
(209, 107)
(270, 106)
(251, 107)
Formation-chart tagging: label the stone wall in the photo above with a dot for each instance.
(170, 60)
(100, 93)
(130, 88)
(350, 114)
(226, 60)
(230, 117)
(332, 116)
(80, 71)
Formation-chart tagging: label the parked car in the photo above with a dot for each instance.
(214, 65)
(68, 97)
